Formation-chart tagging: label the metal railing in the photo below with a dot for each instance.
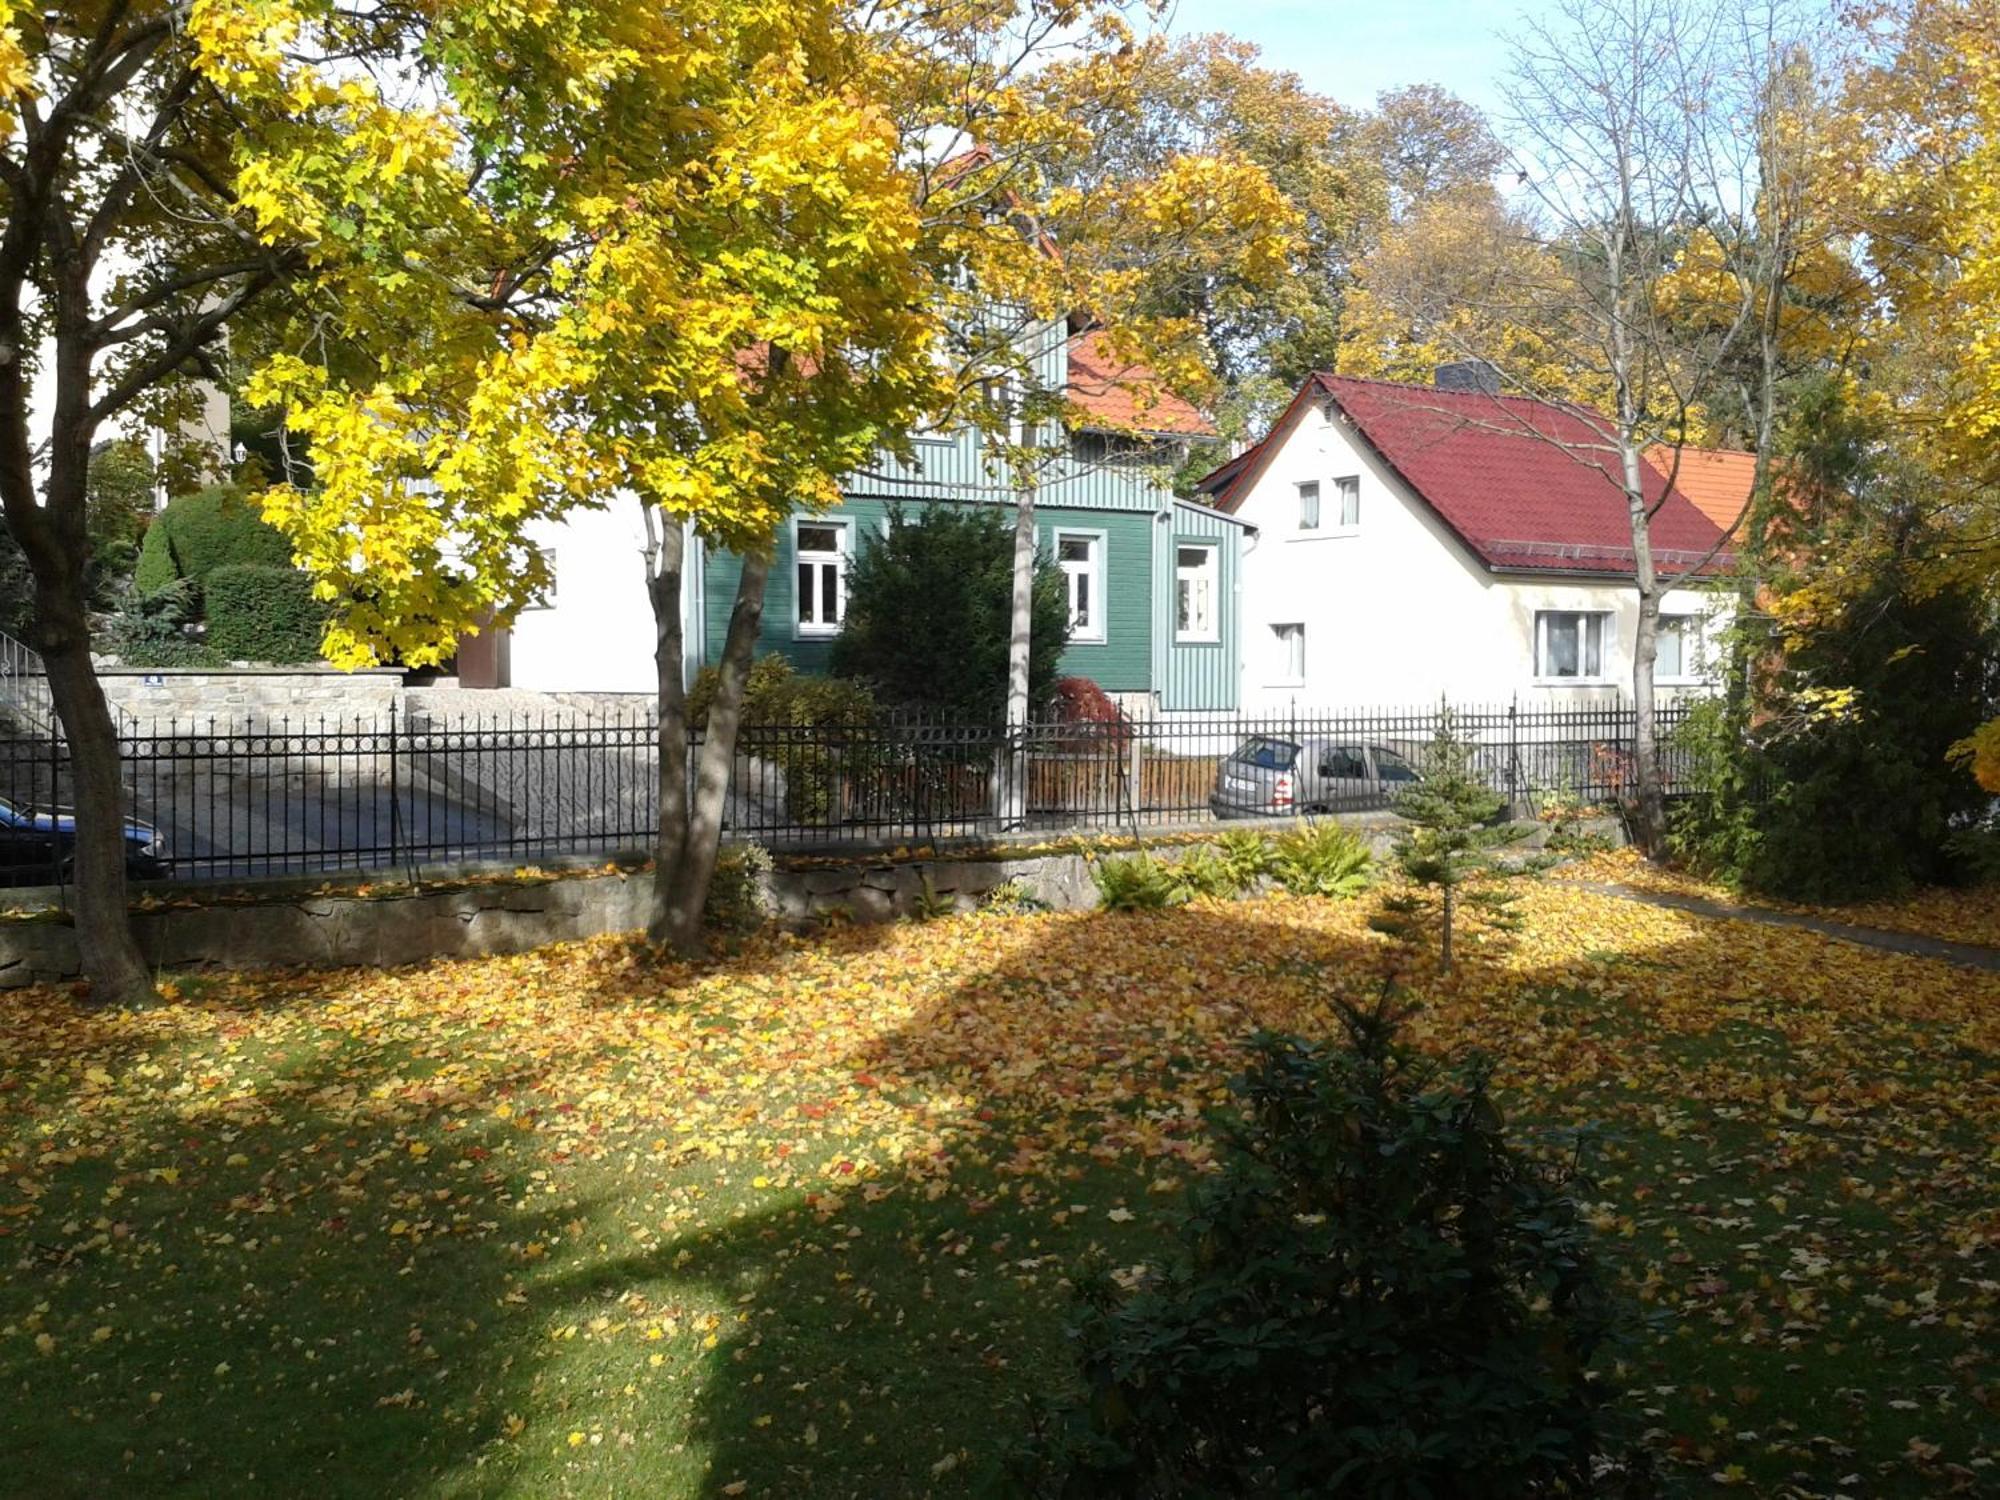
(24, 687)
(292, 796)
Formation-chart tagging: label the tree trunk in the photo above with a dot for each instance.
(1014, 767)
(1648, 812)
(665, 566)
(110, 953)
(1450, 911)
(691, 830)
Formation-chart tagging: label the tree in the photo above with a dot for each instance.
(1377, 1292)
(1832, 775)
(159, 163)
(719, 313)
(1432, 145)
(1450, 843)
(1917, 189)
(1652, 138)
(1455, 275)
(1039, 231)
(928, 615)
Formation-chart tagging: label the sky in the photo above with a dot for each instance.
(1354, 49)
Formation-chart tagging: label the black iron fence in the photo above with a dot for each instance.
(233, 800)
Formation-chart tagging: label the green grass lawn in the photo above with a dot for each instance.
(799, 1223)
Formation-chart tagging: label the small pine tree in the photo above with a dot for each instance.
(1451, 844)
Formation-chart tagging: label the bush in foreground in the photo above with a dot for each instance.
(1379, 1295)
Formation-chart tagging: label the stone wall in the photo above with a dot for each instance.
(250, 695)
(280, 923)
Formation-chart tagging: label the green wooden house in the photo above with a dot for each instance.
(1153, 580)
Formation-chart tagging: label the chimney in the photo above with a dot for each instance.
(1467, 375)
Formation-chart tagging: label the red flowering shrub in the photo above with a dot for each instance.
(1082, 704)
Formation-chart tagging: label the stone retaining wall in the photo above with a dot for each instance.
(250, 695)
(301, 922)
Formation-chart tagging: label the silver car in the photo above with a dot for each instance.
(1268, 776)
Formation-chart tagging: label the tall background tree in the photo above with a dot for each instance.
(1644, 265)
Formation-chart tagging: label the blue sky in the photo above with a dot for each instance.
(1353, 49)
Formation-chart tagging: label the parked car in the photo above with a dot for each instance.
(1266, 776)
(37, 846)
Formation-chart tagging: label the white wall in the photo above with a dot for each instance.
(597, 634)
(1398, 612)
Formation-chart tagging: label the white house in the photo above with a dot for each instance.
(1416, 542)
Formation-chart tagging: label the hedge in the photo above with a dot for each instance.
(209, 529)
(263, 614)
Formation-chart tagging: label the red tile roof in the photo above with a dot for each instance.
(1717, 480)
(1125, 397)
(1524, 484)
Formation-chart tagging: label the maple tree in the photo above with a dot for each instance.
(1923, 99)
(436, 229)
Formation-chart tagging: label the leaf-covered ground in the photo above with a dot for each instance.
(1957, 915)
(797, 1224)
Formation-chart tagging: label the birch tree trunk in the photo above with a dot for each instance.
(1014, 762)
(1649, 802)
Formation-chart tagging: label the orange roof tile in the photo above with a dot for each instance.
(1123, 396)
(1717, 480)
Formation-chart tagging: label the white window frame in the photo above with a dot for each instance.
(1310, 515)
(1212, 571)
(1347, 498)
(802, 628)
(1283, 673)
(1094, 632)
(1607, 635)
(1690, 634)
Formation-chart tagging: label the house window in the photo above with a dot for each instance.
(1290, 645)
(821, 551)
(1348, 491)
(1679, 646)
(1197, 570)
(1309, 506)
(1569, 644)
(1080, 555)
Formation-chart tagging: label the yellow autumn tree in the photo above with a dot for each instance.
(753, 233)
(184, 177)
(1926, 207)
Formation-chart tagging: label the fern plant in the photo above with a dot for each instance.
(1248, 856)
(1322, 859)
(1136, 882)
(1203, 872)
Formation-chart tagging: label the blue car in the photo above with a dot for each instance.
(38, 846)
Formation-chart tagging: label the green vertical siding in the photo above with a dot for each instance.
(1124, 502)
(1198, 674)
(1121, 663)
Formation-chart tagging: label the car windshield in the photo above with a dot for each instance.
(1266, 754)
(1390, 766)
(9, 818)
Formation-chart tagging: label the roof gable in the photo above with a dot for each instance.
(1121, 396)
(1527, 485)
